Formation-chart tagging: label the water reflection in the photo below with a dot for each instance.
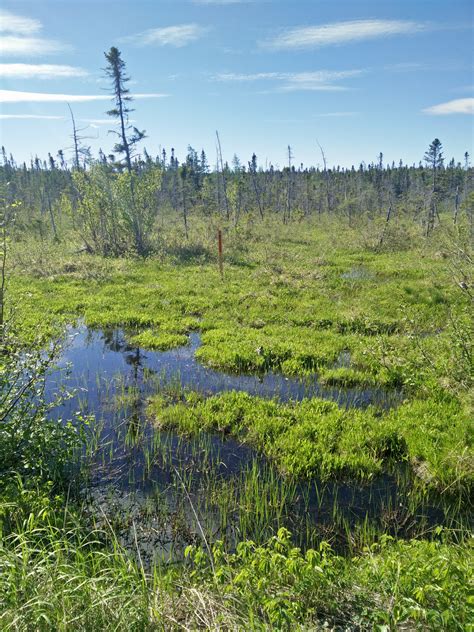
(135, 465)
(108, 352)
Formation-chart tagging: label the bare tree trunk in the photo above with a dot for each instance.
(3, 275)
(218, 190)
(75, 140)
(387, 220)
(307, 196)
(46, 201)
(185, 210)
(257, 193)
(326, 179)
(224, 181)
(287, 214)
(456, 206)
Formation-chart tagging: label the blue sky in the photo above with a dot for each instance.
(360, 77)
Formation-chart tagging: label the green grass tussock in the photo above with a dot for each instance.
(161, 341)
(316, 437)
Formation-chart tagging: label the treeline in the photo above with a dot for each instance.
(110, 206)
(115, 201)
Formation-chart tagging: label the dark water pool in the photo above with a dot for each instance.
(106, 353)
(168, 488)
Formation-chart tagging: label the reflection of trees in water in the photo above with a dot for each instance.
(115, 340)
(135, 360)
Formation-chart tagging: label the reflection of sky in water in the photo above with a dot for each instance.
(96, 353)
(101, 365)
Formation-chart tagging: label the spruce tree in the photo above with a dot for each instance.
(434, 158)
(129, 135)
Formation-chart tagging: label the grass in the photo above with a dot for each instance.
(292, 308)
(62, 579)
(317, 438)
(297, 299)
(159, 341)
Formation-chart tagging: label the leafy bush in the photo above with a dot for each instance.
(400, 585)
(35, 450)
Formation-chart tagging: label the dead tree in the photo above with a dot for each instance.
(287, 214)
(326, 178)
(224, 180)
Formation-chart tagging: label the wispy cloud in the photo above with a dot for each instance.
(406, 66)
(12, 45)
(413, 66)
(30, 116)
(242, 77)
(40, 71)
(320, 80)
(336, 114)
(177, 36)
(97, 123)
(457, 106)
(13, 96)
(16, 37)
(342, 33)
(10, 23)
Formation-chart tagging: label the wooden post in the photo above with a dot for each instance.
(219, 244)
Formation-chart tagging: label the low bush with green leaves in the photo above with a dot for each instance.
(62, 578)
(392, 585)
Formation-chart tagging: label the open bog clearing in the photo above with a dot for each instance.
(309, 396)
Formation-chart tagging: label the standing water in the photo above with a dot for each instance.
(160, 491)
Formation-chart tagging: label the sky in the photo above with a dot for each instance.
(359, 77)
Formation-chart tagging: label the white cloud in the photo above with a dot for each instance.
(13, 96)
(321, 80)
(336, 114)
(29, 46)
(17, 37)
(177, 36)
(407, 66)
(457, 106)
(341, 33)
(10, 23)
(312, 87)
(30, 116)
(40, 71)
(97, 122)
(237, 77)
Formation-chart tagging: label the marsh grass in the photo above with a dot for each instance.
(316, 437)
(63, 579)
(293, 300)
(292, 310)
